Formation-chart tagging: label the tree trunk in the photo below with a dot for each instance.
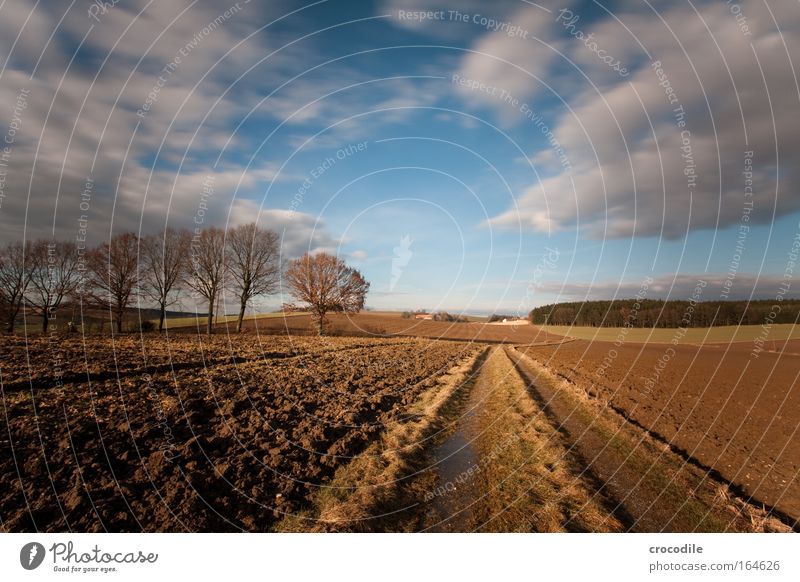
(320, 317)
(210, 316)
(45, 320)
(119, 322)
(161, 316)
(241, 317)
(12, 317)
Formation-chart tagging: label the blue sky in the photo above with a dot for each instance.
(522, 162)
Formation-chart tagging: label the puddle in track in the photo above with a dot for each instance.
(449, 511)
(456, 464)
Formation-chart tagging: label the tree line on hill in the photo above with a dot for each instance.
(650, 313)
(40, 276)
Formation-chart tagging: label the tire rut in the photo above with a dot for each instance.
(506, 467)
(649, 496)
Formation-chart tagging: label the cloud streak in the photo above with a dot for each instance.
(700, 95)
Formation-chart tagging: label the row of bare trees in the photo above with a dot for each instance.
(44, 274)
(245, 258)
(40, 275)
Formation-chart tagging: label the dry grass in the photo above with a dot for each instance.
(693, 336)
(528, 479)
(699, 502)
(364, 493)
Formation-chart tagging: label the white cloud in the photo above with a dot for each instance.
(630, 179)
(517, 65)
(359, 255)
(80, 118)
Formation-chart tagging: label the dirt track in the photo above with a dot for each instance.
(505, 468)
(522, 450)
(655, 489)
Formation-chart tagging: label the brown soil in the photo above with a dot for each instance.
(512, 447)
(717, 406)
(256, 432)
(380, 324)
(209, 446)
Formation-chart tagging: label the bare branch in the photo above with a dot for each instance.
(15, 275)
(205, 274)
(114, 267)
(252, 264)
(325, 283)
(164, 264)
(55, 275)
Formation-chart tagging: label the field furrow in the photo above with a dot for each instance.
(721, 406)
(224, 448)
(655, 489)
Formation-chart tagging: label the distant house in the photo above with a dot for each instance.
(423, 316)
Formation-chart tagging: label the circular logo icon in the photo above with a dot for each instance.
(31, 555)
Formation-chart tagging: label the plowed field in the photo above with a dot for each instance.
(733, 413)
(193, 434)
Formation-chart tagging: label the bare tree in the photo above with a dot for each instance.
(205, 273)
(55, 275)
(114, 267)
(164, 262)
(325, 283)
(15, 274)
(252, 264)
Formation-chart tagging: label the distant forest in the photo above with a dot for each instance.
(661, 313)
